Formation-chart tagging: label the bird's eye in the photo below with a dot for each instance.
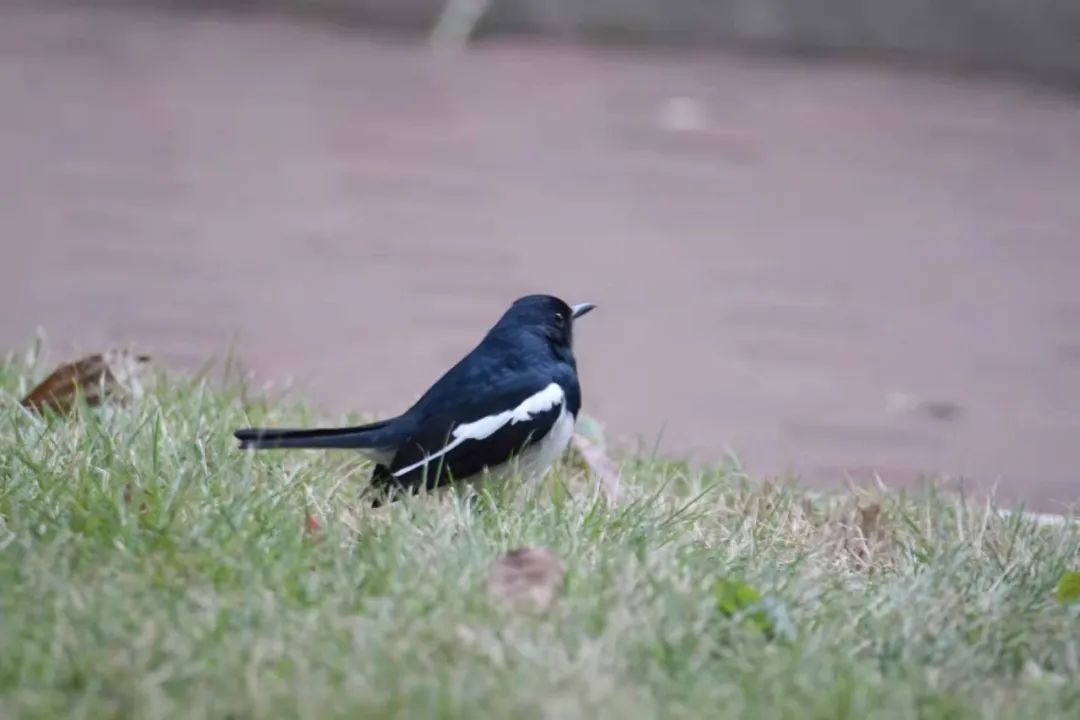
(560, 319)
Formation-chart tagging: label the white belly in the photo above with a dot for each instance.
(535, 460)
(542, 455)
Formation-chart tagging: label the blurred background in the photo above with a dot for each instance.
(838, 238)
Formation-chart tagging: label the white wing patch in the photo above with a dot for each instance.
(485, 427)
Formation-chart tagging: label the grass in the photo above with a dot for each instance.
(150, 569)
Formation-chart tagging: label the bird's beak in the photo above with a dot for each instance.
(579, 310)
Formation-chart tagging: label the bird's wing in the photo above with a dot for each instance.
(486, 430)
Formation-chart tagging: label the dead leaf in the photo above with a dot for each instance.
(526, 578)
(313, 528)
(904, 403)
(600, 465)
(871, 536)
(942, 409)
(115, 375)
(870, 521)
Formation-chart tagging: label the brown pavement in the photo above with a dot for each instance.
(826, 267)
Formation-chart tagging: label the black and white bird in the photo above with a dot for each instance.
(510, 403)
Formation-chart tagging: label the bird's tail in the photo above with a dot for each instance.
(361, 437)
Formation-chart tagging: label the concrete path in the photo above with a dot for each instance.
(827, 268)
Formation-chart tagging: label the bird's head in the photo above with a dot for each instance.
(546, 315)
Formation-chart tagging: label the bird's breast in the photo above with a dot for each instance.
(539, 457)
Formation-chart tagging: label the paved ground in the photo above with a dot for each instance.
(827, 268)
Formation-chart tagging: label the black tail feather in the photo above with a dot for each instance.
(370, 436)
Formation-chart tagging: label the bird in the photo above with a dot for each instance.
(510, 404)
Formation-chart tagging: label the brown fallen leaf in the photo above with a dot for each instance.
(870, 520)
(115, 375)
(526, 578)
(313, 528)
(600, 465)
(900, 403)
(871, 537)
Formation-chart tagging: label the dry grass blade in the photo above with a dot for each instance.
(526, 578)
(600, 465)
(101, 377)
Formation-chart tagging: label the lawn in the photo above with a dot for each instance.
(150, 569)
